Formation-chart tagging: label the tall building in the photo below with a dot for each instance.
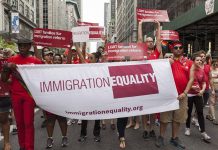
(50, 14)
(112, 21)
(106, 17)
(72, 13)
(126, 26)
(58, 14)
(27, 17)
(106, 14)
(80, 4)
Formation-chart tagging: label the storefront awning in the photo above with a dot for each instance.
(192, 16)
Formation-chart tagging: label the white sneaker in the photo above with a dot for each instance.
(205, 136)
(195, 122)
(187, 131)
(69, 122)
(79, 122)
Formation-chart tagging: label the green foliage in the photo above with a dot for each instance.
(7, 44)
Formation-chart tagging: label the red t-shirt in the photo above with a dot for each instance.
(16, 86)
(4, 87)
(207, 74)
(199, 79)
(154, 55)
(181, 70)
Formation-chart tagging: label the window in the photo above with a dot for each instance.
(32, 3)
(45, 13)
(27, 11)
(14, 4)
(32, 16)
(21, 7)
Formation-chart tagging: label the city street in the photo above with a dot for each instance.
(109, 140)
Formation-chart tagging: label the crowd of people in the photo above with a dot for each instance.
(196, 81)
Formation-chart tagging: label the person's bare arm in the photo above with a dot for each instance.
(36, 52)
(189, 85)
(158, 39)
(7, 70)
(83, 50)
(211, 84)
(70, 54)
(78, 50)
(140, 36)
(201, 92)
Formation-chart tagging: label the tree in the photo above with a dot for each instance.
(7, 44)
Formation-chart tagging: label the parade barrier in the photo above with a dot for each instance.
(104, 90)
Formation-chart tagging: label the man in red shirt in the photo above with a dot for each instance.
(183, 73)
(22, 102)
(152, 52)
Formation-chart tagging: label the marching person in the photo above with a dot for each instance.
(22, 102)
(209, 80)
(213, 98)
(195, 97)
(51, 118)
(5, 102)
(93, 58)
(183, 73)
(153, 52)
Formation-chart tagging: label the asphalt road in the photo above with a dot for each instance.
(109, 141)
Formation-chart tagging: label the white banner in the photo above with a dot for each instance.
(15, 23)
(102, 91)
(87, 34)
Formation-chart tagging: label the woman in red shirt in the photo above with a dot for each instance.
(195, 97)
(51, 118)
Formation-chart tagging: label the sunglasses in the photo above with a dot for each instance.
(178, 47)
(50, 54)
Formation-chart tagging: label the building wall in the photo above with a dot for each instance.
(27, 13)
(79, 3)
(72, 16)
(126, 21)
(51, 10)
(110, 20)
(106, 17)
(106, 14)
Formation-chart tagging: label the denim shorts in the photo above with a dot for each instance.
(5, 104)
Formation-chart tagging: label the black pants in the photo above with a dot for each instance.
(206, 97)
(198, 101)
(96, 130)
(121, 126)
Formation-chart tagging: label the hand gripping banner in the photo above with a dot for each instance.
(102, 91)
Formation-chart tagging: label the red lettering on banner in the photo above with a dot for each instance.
(133, 80)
